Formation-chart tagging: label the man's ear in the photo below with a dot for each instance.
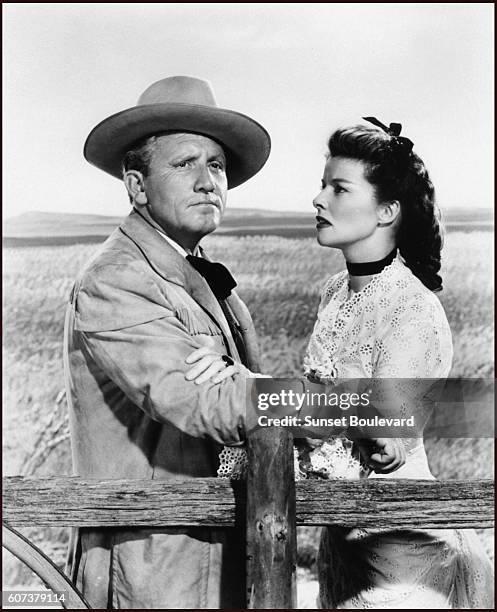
(133, 181)
(388, 212)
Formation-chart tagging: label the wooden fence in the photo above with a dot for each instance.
(269, 503)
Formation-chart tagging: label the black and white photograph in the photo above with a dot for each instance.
(248, 306)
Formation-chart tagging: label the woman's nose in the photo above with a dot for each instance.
(318, 205)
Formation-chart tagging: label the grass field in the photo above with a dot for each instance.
(279, 279)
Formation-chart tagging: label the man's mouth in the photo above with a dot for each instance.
(321, 222)
(207, 203)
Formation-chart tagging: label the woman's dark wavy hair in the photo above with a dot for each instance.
(399, 174)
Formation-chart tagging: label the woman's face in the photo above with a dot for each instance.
(346, 205)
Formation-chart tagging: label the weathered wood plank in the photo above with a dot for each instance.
(271, 529)
(401, 503)
(71, 501)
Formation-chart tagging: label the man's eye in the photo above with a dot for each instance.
(339, 189)
(217, 166)
(183, 164)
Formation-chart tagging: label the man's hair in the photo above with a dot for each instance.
(139, 157)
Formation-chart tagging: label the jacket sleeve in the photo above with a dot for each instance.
(129, 329)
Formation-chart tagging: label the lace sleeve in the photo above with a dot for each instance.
(416, 350)
(418, 343)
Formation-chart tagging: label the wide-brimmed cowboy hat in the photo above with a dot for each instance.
(180, 104)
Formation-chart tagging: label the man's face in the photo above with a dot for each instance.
(186, 186)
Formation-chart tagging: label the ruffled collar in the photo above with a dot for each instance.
(384, 278)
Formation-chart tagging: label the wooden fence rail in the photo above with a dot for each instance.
(201, 502)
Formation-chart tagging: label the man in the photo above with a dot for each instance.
(137, 310)
(146, 301)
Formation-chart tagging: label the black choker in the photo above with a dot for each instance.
(370, 267)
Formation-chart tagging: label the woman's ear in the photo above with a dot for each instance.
(388, 213)
(133, 181)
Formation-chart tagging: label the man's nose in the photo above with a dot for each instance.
(204, 180)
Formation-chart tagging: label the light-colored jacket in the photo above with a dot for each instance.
(134, 315)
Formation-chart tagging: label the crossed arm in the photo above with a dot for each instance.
(383, 455)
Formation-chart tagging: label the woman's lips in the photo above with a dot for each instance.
(321, 222)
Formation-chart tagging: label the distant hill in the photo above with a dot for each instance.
(49, 228)
(74, 224)
(58, 224)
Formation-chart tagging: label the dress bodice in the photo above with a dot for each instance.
(394, 328)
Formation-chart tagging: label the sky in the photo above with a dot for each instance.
(301, 70)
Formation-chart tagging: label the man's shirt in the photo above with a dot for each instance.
(178, 247)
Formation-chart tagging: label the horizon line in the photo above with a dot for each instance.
(241, 208)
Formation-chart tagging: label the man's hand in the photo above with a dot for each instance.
(210, 365)
(383, 455)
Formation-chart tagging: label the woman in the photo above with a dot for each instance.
(380, 319)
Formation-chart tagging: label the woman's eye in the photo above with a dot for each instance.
(338, 189)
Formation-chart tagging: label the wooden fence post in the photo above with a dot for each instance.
(271, 520)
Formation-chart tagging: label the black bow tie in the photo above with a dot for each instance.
(218, 277)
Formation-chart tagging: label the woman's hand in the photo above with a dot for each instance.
(383, 455)
(211, 365)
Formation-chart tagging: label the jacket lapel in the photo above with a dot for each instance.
(171, 266)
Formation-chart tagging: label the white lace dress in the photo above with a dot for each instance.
(394, 328)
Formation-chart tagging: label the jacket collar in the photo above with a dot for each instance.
(166, 261)
(173, 267)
